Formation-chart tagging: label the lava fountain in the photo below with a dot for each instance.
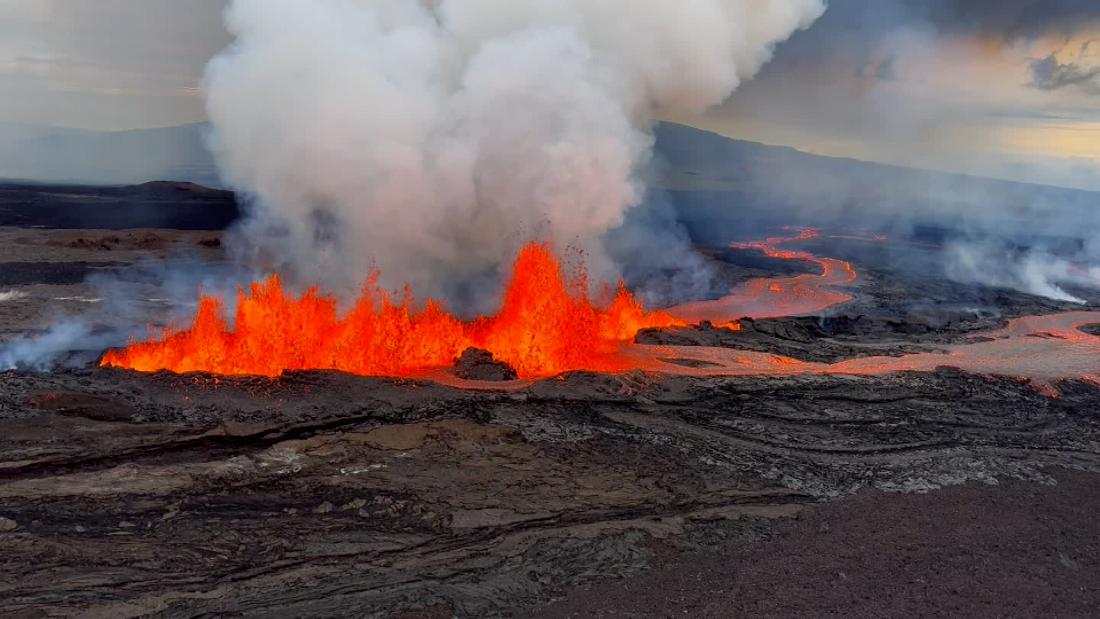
(546, 325)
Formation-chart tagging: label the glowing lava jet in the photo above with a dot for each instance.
(546, 325)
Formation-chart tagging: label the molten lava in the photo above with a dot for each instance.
(772, 297)
(545, 326)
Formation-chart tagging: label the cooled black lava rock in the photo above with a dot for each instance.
(477, 364)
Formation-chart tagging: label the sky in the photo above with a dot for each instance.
(1001, 88)
(106, 64)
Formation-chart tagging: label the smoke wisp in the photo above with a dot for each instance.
(121, 307)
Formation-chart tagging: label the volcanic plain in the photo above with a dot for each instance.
(646, 492)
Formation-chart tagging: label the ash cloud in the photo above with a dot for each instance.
(429, 140)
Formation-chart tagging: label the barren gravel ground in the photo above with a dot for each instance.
(44, 273)
(1012, 549)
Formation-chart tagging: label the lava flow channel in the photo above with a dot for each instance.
(1042, 349)
(774, 297)
(546, 325)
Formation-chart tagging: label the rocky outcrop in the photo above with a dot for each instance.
(477, 364)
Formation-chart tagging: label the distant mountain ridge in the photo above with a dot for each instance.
(710, 155)
(156, 204)
(687, 160)
(57, 154)
(718, 185)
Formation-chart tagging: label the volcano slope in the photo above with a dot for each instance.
(635, 494)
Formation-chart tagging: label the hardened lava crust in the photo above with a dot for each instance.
(322, 493)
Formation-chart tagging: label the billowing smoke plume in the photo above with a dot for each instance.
(430, 139)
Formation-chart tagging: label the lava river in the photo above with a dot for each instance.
(1043, 349)
(774, 297)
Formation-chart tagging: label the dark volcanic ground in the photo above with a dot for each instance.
(159, 204)
(320, 494)
(323, 494)
(1014, 549)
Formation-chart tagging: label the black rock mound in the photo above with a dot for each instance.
(477, 364)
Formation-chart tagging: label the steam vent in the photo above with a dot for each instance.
(472, 308)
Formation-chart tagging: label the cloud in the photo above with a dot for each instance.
(1005, 19)
(1075, 66)
(108, 63)
(1049, 74)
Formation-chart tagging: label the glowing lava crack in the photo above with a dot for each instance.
(546, 325)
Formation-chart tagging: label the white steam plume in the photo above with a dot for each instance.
(1035, 272)
(429, 139)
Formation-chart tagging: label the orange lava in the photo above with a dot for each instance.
(774, 297)
(546, 325)
(1042, 349)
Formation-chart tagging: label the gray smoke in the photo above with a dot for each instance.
(1034, 271)
(44, 351)
(135, 303)
(431, 139)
